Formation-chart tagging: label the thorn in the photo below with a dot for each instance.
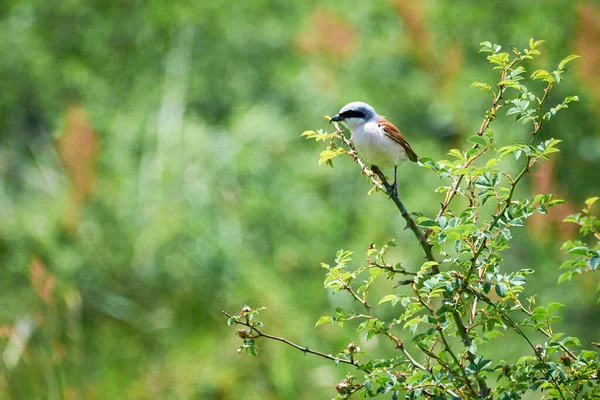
(405, 227)
(405, 282)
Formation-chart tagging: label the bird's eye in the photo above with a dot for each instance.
(352, 114)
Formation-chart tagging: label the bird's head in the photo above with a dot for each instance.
(355, 114)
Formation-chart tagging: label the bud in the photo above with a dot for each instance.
(242, 333)
(352, 348)
(245, 309)
(400, 375)
(566, 360)
(344, 387)
(506, 370)
(539, 348)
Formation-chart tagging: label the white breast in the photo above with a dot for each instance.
(375, 147)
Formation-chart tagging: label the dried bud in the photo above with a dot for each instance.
(506, 370)
(245, 309)
(242, 333)
(352, 348)
(400, 374)
(566, 359)
(539, 348)
(344, 387)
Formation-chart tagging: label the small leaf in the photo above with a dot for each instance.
(323, 320)
(472, 348)
(518, 280)
(542, 74)
(554, 306)
(327, 155)
(500, 289)
(476, 139)
(390, 297)
(486, 287)
(594, 262)
(589, 202)
(428, 223)
(567, 60)
(580, 250)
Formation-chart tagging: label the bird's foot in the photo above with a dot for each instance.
(393, 190)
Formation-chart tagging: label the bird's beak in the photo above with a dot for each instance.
(336, 118)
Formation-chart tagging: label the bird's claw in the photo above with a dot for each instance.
(393, 190)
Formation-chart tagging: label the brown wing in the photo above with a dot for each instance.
(393, 132)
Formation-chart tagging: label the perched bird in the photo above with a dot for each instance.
(376, 139)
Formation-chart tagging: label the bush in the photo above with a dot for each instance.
(463, 295)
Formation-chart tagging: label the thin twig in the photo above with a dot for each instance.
(518, 329)
(507, 203)
(467, 341)
(304, 349)
(490, 115)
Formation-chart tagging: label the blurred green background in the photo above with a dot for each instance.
(153, 174)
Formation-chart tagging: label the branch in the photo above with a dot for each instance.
(294, 345)
(467, 341)
(494, 223)
(518, 329)
(400, 345)
(490, 115)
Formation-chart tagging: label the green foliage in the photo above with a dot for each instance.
(454, 307)
(586, 250)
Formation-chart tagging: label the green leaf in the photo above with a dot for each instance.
(533, 44)
(493, 334)
(472, 348)
(327, 155)
(483, 86)
(570, 99)
(340, 311)
(554, 306)
(498, 59)
(567, 60)
(486, 47)
(542, 74)
(487, 287)
(541, 311)
(580, 250)
(457, 153)
(565, 277)
(426, 222)
(571, 341)
(518, 280)
(413, 321)
(594, 262)
(390, 297)
(323, 320)
(476, 139)
(588, 354)
(500, 289)
(589, 202)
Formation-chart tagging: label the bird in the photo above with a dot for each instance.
(376, 139)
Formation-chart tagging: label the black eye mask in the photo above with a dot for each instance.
(352, 114)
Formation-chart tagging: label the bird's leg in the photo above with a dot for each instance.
(394, 187)
(374, 169)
